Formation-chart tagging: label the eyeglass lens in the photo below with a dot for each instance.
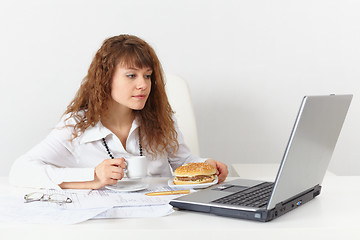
(58, 198)
(33, 197)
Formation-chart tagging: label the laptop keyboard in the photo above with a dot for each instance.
(257, 196)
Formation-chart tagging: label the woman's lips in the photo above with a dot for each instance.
(140, 96)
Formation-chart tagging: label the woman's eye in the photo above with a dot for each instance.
(148, 76)
(130, 75)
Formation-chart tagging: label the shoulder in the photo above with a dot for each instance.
(66, 126)
(70, 119)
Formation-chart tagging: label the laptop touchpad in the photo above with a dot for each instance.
(230, 188)
(234, 189)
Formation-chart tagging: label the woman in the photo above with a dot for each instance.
(121, 109)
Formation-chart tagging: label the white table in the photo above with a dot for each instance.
(332, 215)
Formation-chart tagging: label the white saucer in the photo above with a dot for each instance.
(191, 186)
(128, 186)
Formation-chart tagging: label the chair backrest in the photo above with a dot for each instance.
(179, 97)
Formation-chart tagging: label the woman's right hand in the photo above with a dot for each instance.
(109, 172)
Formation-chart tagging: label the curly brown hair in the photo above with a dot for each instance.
(90, 102)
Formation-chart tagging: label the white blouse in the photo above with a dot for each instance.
(57, 159)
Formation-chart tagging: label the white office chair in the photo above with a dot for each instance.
(179, 97)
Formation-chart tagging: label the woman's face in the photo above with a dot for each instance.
(130, 87)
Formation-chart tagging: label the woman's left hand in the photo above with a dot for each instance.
(221, 169)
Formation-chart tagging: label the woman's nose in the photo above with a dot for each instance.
(142, 83)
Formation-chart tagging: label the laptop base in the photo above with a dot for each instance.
(261, 215)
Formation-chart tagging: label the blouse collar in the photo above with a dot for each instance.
(99, 131)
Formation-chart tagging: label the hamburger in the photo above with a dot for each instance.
(194, 173)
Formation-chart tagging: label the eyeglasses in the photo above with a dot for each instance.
(55, 198)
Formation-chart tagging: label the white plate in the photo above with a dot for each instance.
(192, 186)
(128, 186)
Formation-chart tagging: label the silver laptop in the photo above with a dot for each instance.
(306, 158)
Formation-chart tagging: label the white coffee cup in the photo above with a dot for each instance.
(136, 166)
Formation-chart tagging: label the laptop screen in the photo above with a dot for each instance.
(311, 145)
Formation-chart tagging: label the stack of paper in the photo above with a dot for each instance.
(86, 205)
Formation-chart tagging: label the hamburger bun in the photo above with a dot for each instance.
(194, 173)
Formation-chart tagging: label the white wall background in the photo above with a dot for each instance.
(248, 64)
